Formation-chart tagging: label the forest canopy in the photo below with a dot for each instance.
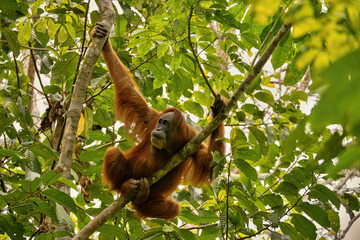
(292, 136)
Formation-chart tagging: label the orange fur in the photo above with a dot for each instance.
(143, 159)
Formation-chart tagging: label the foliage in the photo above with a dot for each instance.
(270, 183)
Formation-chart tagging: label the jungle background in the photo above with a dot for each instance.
(293, 152)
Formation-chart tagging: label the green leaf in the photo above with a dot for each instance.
(304, 226)
(265, 97)
(204, 217)
(89, 119)
(334, 219)
(246, 168)
(160, 72)
(62, 36)
(272, 200)
(45, 208)
(296, 177)
(120, 25)
(162, 49)
(25, 33)
(60, 197)
(12, 40)
(152, 233)
(45, 151)
(342, 95)
(209, 233)
(260, 137)
(52, 89)
(245, 202)
(250, 108)
(283, 52)
(31, 186)
(112, 231)
(288, 229)
(50, 177)
(144, 47)
(41, 26)
(35, 6)
(194, 108)
(68, 183)
(63, 69)
(346, 160)
(33, 164)
(316, 213)
(64, 217)
(52, 28)
(298, 95)
(287, 189)
(176, 61)
(10, 153)
(9, 8)
(324, 194)
(70, 31)
(248, 154)
(12, 228)
(186, 234)
(352, 201)
(293, 74)
(202, 98)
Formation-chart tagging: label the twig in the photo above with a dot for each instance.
(227, 199)
(33, 86)
(351, 222)
(17, 74)
(108, 144)
(38, 75)
(194, 53)
(147, 60)
(253, 235)
(201, 227)
(133, 28)
(95, 95)
(82, 46)
(34, 48)
(343, 180)
(268, 35)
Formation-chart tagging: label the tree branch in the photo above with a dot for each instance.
(192, 146)
(351, 222)
(194, 53)
(38, 75)
(73, 116)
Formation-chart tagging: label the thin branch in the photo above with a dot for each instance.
(33, 86)
(147, 60)
(269, 34)
(38, 75)
(133, 28)
(194, 53)
(17, 74)
(253, 235)
(192, 146)
(95, 95)
(201, 227)
(351, 222)
(227, 199)
(109, 144)
(34, 48)
(82, 45)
